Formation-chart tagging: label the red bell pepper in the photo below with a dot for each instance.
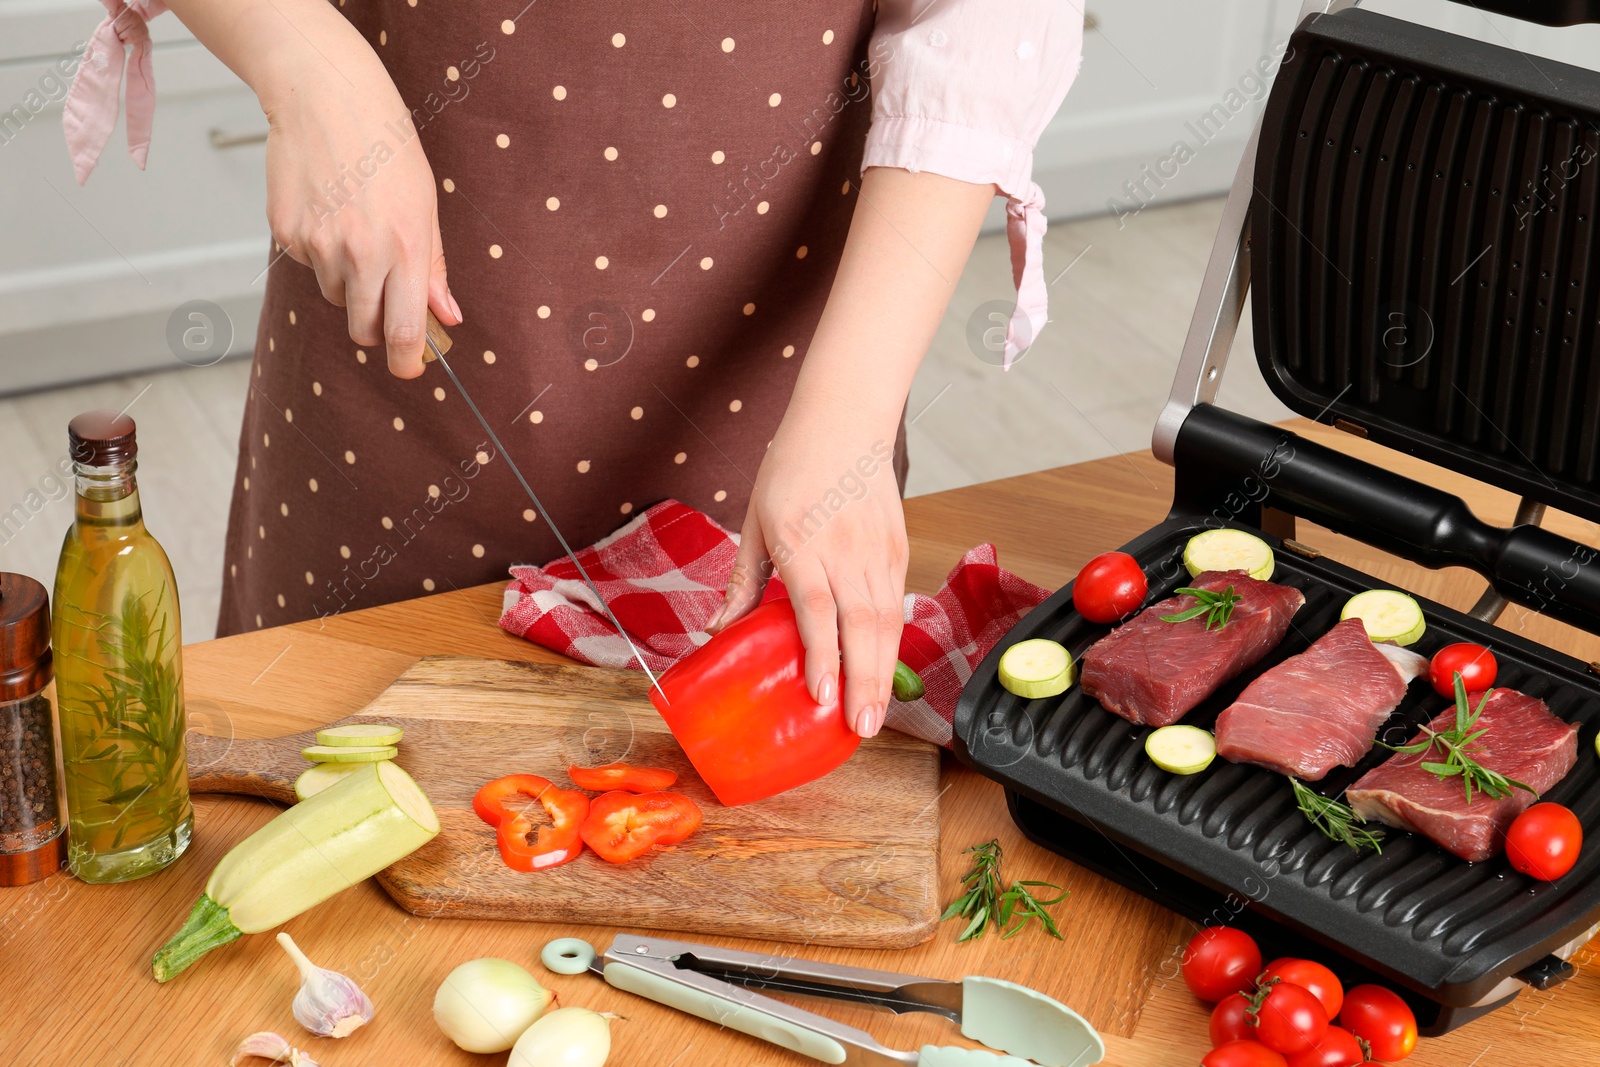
(623, 826)
(623, 776)
(739, 707)
(559, 842)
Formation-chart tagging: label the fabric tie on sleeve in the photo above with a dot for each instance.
(663, 574)
(1025, 226)
(90, 112)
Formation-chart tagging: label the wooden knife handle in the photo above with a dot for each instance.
(436, 334)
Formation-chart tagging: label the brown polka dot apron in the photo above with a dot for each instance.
(642, 208)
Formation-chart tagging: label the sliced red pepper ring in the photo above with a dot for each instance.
(623, 776)
(553, 844)
(623, 826)
(489, 802)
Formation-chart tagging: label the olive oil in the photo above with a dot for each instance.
(119, 672)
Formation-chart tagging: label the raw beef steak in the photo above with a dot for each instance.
(1321, 709)
(1153, 672)
(1524, 741)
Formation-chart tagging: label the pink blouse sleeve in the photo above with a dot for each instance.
(964, 88)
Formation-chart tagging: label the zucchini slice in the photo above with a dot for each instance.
(1181, 749)
(348, 754)
(1388, 615)
(360, 735)
(1036, 668)
(320, 776)
(1229, 550)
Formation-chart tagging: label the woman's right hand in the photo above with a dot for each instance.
(349, 198)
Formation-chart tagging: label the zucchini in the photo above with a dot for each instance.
(320, 776)
(1036, 668)
(348, 754)
(342, 835)
(1229, 550)
(1181, 749)
(360, 735)
(1388, 615)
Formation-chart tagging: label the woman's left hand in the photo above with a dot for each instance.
(826, 514)
(825, 511)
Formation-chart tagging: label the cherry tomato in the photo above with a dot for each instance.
(622, 826)
(1544, 841)
(1290, 1018)
(1338, 1048)
(1476, 665)
(1228, 1022)
(1323, 983)
(623, 776)
(1110, 586)
(1381, 1019)
(1220, 960)
(1242, 1054)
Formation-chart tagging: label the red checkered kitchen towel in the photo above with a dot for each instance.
(664, 573)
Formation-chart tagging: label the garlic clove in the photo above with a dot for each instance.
(270, 1046)
(328, 1004)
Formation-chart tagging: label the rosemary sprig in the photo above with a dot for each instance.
(984, 903)
(1335, 819)
(1457, 761)
(1216, 607)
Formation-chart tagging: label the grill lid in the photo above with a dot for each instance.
(1425, 245)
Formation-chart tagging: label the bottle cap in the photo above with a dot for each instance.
(102, 438)
(24, 636)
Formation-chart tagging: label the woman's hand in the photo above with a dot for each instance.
(826, 513)
(349, 191)
(826, 507)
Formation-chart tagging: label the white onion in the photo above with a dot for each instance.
(485, 1005)
(567, 1037)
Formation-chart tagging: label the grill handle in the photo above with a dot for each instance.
(1230, 466)
(1544, 12)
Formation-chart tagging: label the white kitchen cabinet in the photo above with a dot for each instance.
(93, 273)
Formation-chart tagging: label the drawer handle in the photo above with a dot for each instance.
(224, 139)
(1090, 22)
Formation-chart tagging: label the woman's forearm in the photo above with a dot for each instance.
(909, 240)
(276, 45)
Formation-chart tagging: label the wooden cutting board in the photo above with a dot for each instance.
(849, 860)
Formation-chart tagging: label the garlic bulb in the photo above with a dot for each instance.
(270, 1046)
(328, 1004)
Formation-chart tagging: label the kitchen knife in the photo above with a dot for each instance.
(438, 344)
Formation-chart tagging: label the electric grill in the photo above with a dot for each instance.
(1420, 217)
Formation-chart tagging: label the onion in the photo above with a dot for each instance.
(485, 1005)
(567, 1037)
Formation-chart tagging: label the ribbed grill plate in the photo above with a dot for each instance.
(1446, 928)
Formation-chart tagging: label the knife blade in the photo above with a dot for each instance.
(438, 344)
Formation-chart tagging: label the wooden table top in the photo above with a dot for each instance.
(75, 957)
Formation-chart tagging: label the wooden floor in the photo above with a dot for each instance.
(1090, 386)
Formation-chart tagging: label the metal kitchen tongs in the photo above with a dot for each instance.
(718, 984)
